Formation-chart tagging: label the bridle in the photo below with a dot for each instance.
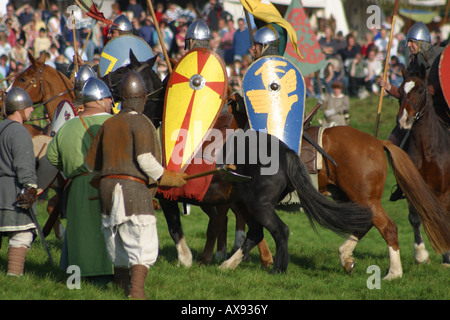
(33, 83)
(419, 108)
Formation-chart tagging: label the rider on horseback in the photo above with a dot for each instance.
(422, 55)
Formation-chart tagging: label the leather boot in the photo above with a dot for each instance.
(138, 275)
(122, 279)
(16, 260)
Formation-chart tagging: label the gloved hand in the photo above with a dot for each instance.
(172, 179)
(27, 197)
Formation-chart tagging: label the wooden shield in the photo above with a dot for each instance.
(46, 173)
(444, 70)
(195, 95)
(64, 112)
(274, 95)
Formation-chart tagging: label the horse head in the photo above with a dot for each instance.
(31, 78)
(44, 84)
(414, 97)
(154, 105)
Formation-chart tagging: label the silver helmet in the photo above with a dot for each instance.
(267, 36)
(122, 23)
(17, 99)
(84, 74)
(95, 89)
(198, 30)
(419, 32)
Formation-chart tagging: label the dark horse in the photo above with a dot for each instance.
(428, 145)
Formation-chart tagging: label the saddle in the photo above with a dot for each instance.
(309, 153)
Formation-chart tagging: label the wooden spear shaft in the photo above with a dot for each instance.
(386, 67)
(161, 39)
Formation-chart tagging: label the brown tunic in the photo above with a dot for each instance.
(114, 151)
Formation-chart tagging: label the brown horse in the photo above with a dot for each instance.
(360, 177)
(428, 145)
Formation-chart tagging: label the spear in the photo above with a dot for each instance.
(386, 66)
(161, 39)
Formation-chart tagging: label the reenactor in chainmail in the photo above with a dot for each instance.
(126, 155)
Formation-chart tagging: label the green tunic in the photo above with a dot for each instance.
(84, 243)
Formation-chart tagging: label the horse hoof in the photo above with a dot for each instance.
(349, 267)
(446, 265)
(392, 276)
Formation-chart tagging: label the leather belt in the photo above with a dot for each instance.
(125, 177)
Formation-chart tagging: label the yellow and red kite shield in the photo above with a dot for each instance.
(444, 71)
(195, 95)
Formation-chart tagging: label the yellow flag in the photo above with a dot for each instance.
(264, 10)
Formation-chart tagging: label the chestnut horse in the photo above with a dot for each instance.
(428, 145)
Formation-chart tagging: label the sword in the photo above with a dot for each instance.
(38, 228)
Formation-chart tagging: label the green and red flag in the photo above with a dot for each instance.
(308, 44)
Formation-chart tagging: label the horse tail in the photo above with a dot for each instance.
(433, 216)
(341, 218)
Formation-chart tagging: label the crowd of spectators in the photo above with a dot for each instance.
(357, 64)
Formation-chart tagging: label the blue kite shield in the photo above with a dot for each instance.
(274, 95)
(116, 53)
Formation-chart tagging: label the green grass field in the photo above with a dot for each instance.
(314, 272)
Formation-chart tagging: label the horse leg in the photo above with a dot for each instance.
(264, 252)
(389, 232)
(239, 236)
(446, 259)
(217, 218)
(172, 214)
(346, 253)
(221, 251)
(421, 254)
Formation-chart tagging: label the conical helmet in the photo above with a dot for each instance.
(267, 36)
(419, 32)
(132, 86)
(133, 93)
(83, 75)
(95, 89)
(122, 23)
(17, 99)
(198, 30)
